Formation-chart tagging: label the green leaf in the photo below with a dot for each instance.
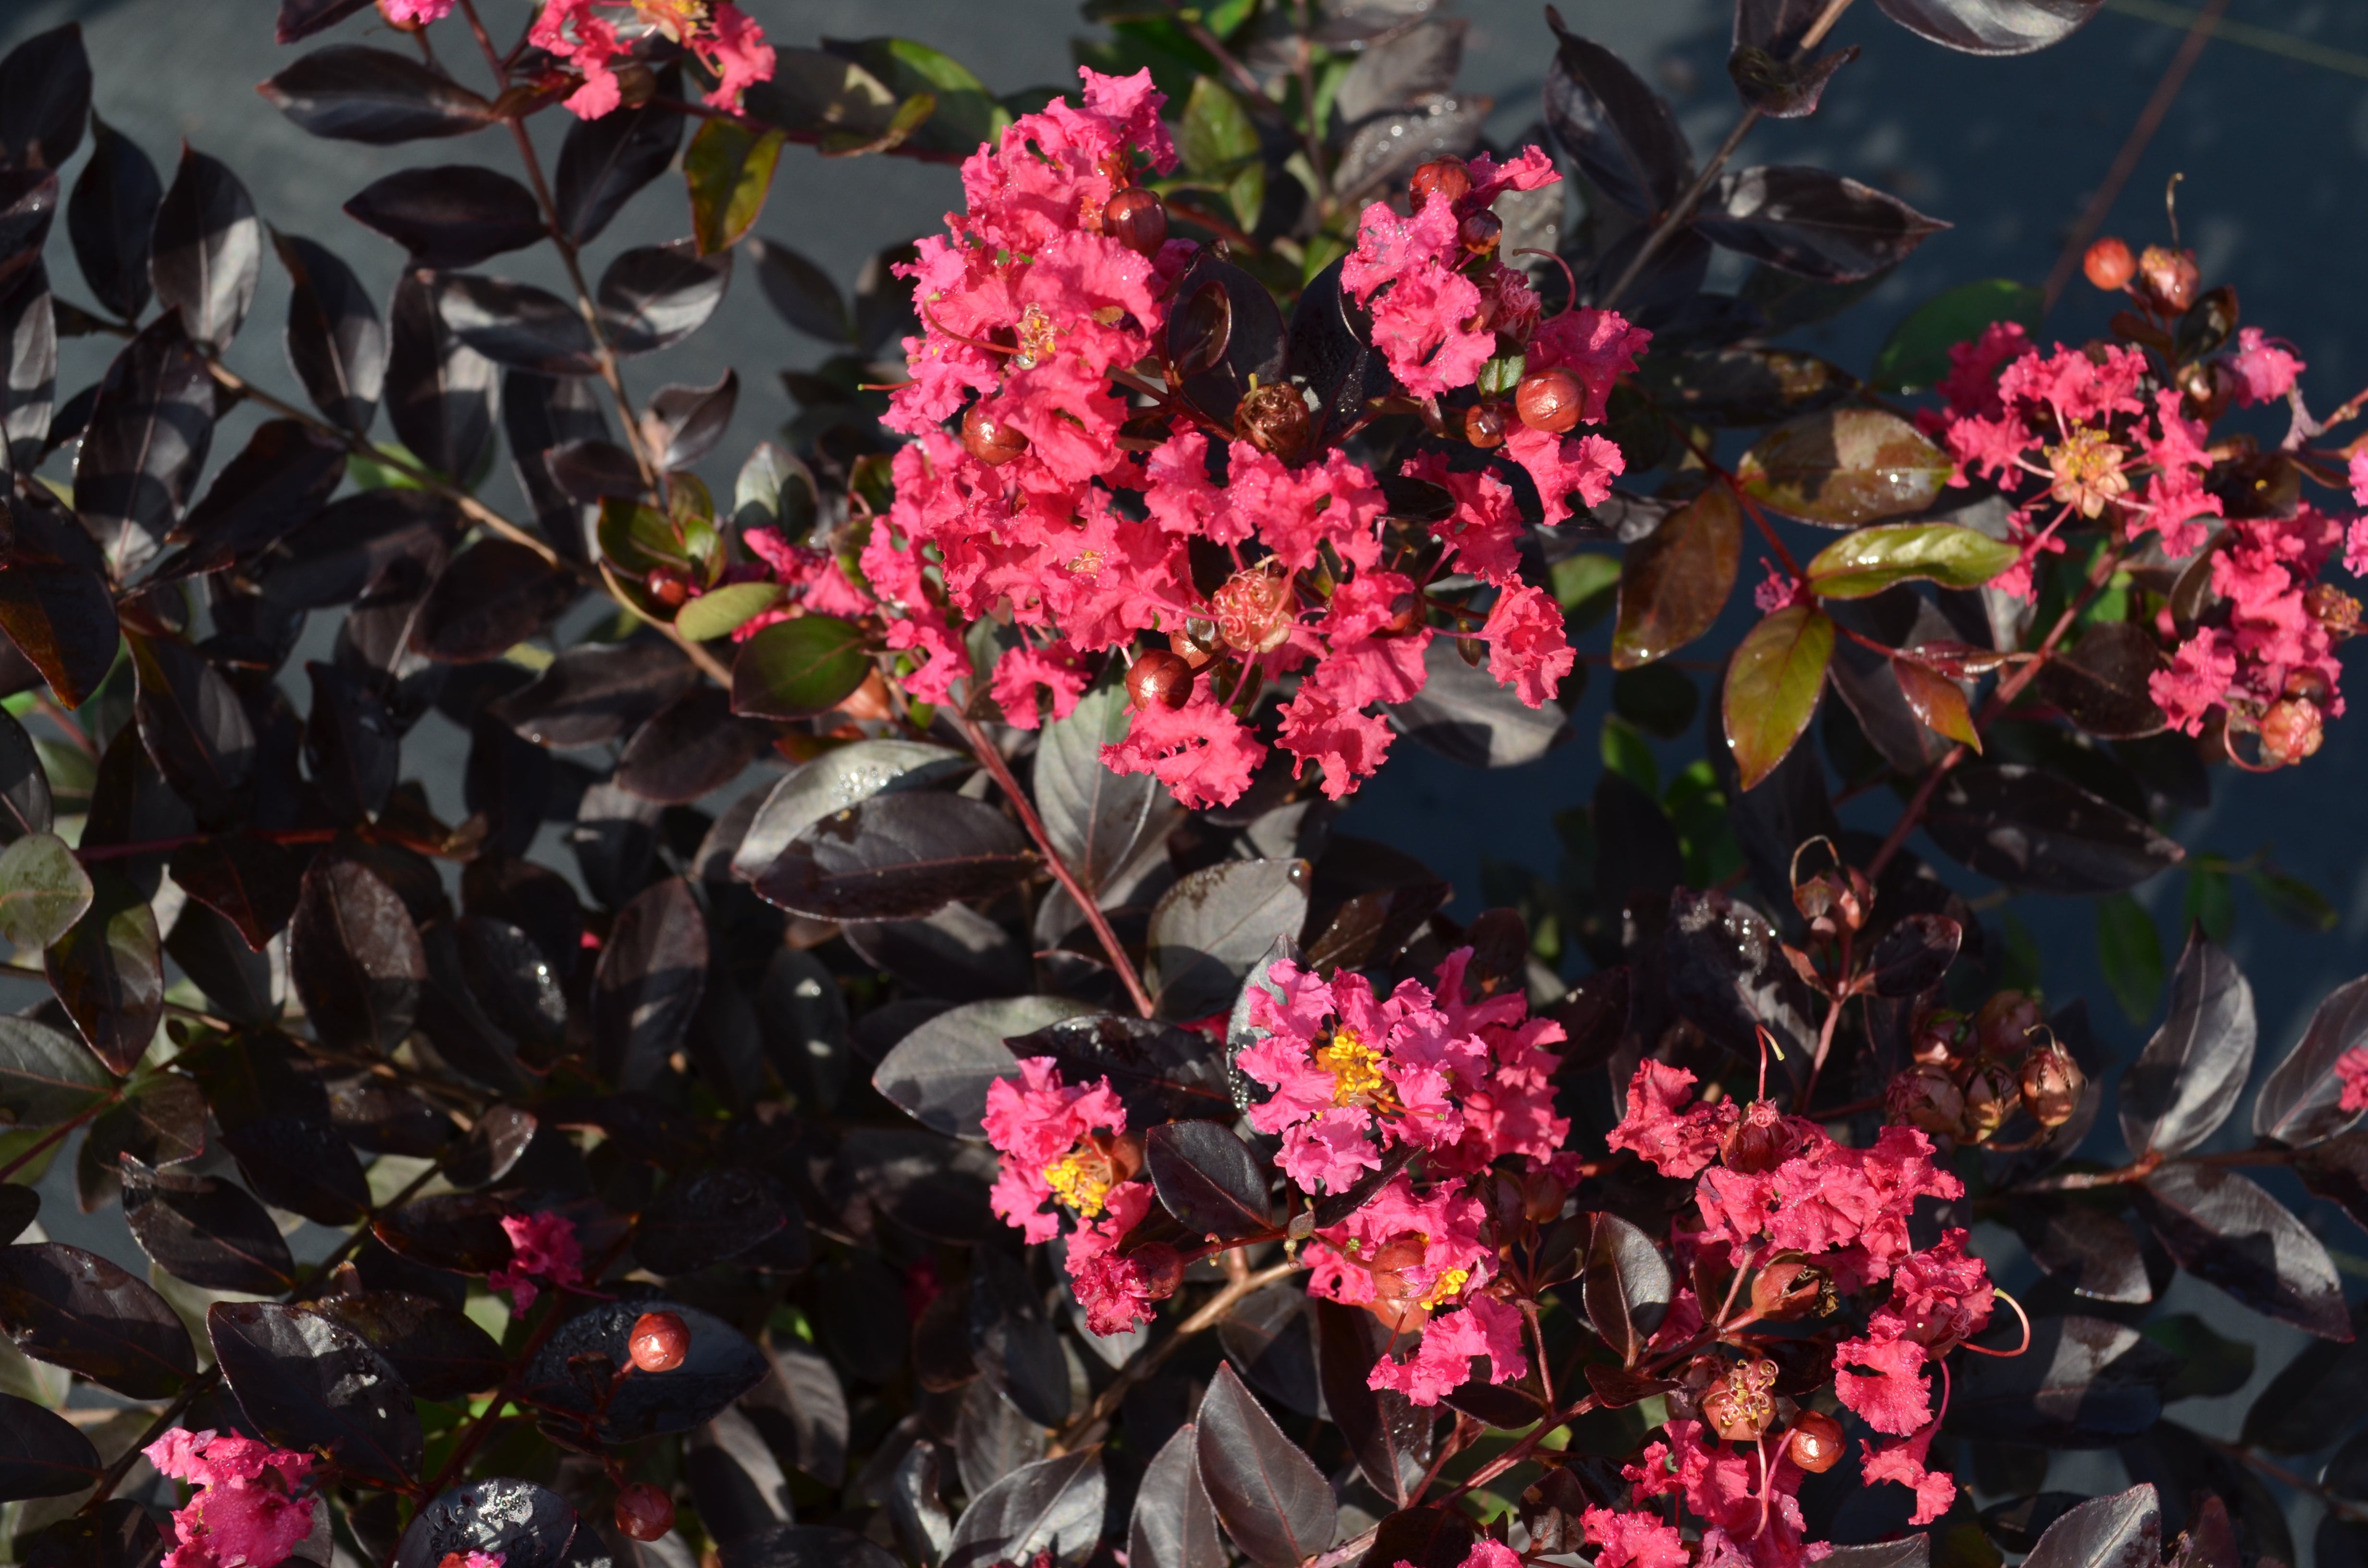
(2294, 900)
(966, 113)
(1583, 586)
(43, 890)
(2211, 899)
(638, 539)
(729, 168)
(796, 669)
(1626, 754)
(726, 610)
(1773, 685)
(46, 1075)
(1867, 561)
(1677, 579)
(1844, 467)
(1916, 354)
(1501, 377)
(816, 95)
(2209, 1364)
(2129, 950)
(1217, 132)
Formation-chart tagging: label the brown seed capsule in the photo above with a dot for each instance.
(659, 1342)
(1542, 1196)
(1757, 1142)
(1137, 219)
(644, 1512)
(1160, 1268)
(1816, 1442)
(1791, 1288)
(1991, 1094)
(1480, 232)
(2291, 731)
(1483, 424)
(1551, 401)
(1451, 178)
(2002, 1026)
(2109, 264)
(2308, 686)
(989, 438)
(1159, 679)
(1925, 1096)
(1274, 418)
(1741, 1406)
(2170, 275)
(2051, 1085)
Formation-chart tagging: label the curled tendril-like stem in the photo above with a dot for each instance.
(1570, 303)
(2002, 1355)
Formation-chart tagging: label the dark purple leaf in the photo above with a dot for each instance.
(2035, 832)
(62, 1305)
(1174, 1525)
(919, 1181)
(1783, 89)
(1913, 954)
(108, 973)
(2124, 1530)
(656, 296)
(353, 93)
(437, 1352)
(604, 162)
(119, 1534)
(236, 978)
(705, 1219)
(1050, 1510)
(1389, 1435)
(573, 1368)
(2093, 1250)
(277, 482)
(1209, 1180)
(518, 1521)
(540, 413)
(440, 392)
(26, 803)
(28, 201)
(330, 559)
(693, 746)
(160, 1120)
(1210, 930)
(61, 618)
(516, 325)
(47, 1077)
(509, 780)
(1625, 1285)
(207, 252)
(615, 840)
(2192, 1072)
(1223, 330)
(335, 341)
(1464, 715)
(1810, 221)
(1269, 1340)
(44, 98)
(195, 728)
(801, 291)
(275, 1120)
(2084, 1382)
(534, 899)
(381, 1118)
(41, 1455)
(589, 471)
(1620, 131)
(452, 215)
(150, 430)
(1991, 26)
(647, 984)
(456, 1231)
(593, 694)
(1015, 1345)
(1160, 1072)
(1427, 1537)
(2101, 682)
(1270, 1497)
(2224, 1228)
(2299, 1101)
(488, 599)
(1727, 975)
(308, 1382)
(939, 1074)
(352, 748)
(355, 957)
(206, 1231)
(684, 423)
(28, 366)
(897, 857)
(299, 19)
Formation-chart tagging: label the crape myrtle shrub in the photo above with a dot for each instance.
(1023, 1132)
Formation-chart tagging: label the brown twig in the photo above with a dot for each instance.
(1214, 1312)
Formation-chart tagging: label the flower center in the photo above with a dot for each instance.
(1356, 1069)
(1449, 1286)
(1080, 1179)
(2088, 471)
(1035, 334)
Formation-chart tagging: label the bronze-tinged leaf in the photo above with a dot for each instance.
(1772, 686)
(1844, 467)
(1938, 702)
(1676, 579)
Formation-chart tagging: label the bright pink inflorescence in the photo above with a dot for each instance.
(541, 1245)
(251, 1510)
(1065, 1147)
(591, 36)
(2351, 1068)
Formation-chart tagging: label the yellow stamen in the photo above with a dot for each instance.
(1356, 1068)
(1079, 1182)
(1449, 1285)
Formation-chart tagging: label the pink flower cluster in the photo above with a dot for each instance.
(1064, 1147)
(541, 1245)
(1781, 1185)
(2273, 655)
(590, 35)
(249, 1511)
(2352, 1067)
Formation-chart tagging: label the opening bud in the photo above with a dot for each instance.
(1137, 219)
(1542, 1196)
(988, 438)
(2170, 275)
(644, 1512)
(2291, 730)
(2109, 264)
(659, 1342)
(2003, 1024)
(1274, 419)
(1551, 401)
(1158, 679)
(1816, 1443)
(1451, 178)
(1991, 1094)
(1161, 1268)
(1742, 1404)
(1790, 1288)
(1480, 232)
(2051, 1085)
(1758, 1141)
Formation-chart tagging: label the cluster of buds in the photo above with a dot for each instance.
(1739, 1401)
(1971, 1075)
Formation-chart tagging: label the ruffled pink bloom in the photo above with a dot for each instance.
(2265, 371)
(1745, 1521)
(1022, 672)
(1971, 387)
(2175, 497)
(1892, 1394)
(248, 1512)
(2352, 1068)
(1035, 1123)
(1484, 536)
(1203, 754)
(1564, 466)
(587, 42)
(541, 1245)
(719, 35)
(1940, 1296)
(1675, 1138)
(1527, 649)
(1450, 1341)
(1646, 1541)
(1597, 346)
(1903, 1461)
(420, 11)
(1345, 741)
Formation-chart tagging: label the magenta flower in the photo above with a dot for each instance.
(250, 1510)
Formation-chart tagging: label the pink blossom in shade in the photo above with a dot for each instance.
(2015, 582)
(1330, 1152)
(1747, 1523)
(247, 1513)
(1938, 1296)
(1390, 247)
(2352, 1068)
(1776, 590)
(1563, 466)
(1130, 105)
(2357, 473)
(1644, 1539)
(2175, 497)
(1903, 1461)
(541, 1245)
(1599, 347)
(1056, 669)
(2355, 544)
(421, 11)
(585, 41)
(1451, 1340)
(1676, 1139)
(2201, 670)
(735, 49)
(2265, 371)
(1892, 1394)
(1483, 535)
(1203, 754)
(1112, 1291)
(1034, 1122)
(1971, 387)
(1346, 742)
(1527, 649)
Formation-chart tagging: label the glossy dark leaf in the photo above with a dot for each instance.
(1209, 1180)
(1810, 221)
(204, 1231)
(654, 297)
(929, 1185)
(2101, 682)
(62, 1305)
(804, 1546)
(440, 392)
(308, 1382)
(438, 1352)
(647, 985)
(568, 1372)
(1783, 89)
(1270, 1497)
(800, 291)
(161, 1120)
(109, 217)
(27, 803)
(1621, 132)
(2084, 1382)
(692, 746)
(493, 595)
(2223, 1228)
(41, 1455)
(355, 957)
(29, 205)
(47, 1076)
(684, 423)
(207, 252)
(1223, 330)
(1053, 1506)
(1913, 954)
(897, 857)
(60, 619)
(516, 325)
(2103, 1532)
(704, 1218)
(275, 485)
(44, 98)
(1389, 1435)
(299, 19)
(251, 882)
(275, 1122)
(195, 728)
(28, 349)
(236, 979)
(333, 559)
(939, 1074)
(1625, 1285)
(1173, 1524)
(1845, 467)
(1991, 26)
(43, 890)
(351, 747)
(1674, 582)
(1209, 930)
(2191, 1074)
(595, 693)
(2092, 1250)
(108, 973)
(1465, 716)
(149, 433)
(802, 1409)
(450, 215)
(2299, 1103)
(2033, 831)
(353, 93)
(1727, 975)
(459, 1231)
(518, 1521)
(604, 162)
(798, 668)
(1015, 1345)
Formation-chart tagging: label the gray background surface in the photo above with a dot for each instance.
(2274, 150)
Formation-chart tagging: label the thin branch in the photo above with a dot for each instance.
(1218, 1308)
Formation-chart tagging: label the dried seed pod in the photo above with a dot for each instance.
(1137, 219)
(1159, 679)
(989, 438)
(659, 1342)
(644, 1512)
(2051, 1085)
(2003, 1025)
(1542, 1196)
(1551, 401)
(1991, 1094)
(2109, 264)
(1925, 1096)
(1274, 418)
(1254, 610)
(1791, 1287)
(1816, 1441)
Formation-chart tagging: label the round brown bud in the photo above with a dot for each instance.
(1936, 1037)
(1483, 424)
(2291, 731)
(1758, 1141)
(1816, 1443)
(2109, 264)
(1551, 401)
(2051, 1085)
(987, 436)
(1542, 1196)
(2002, 1026)
(2170, 275)
(1480, 232)
(1274, 418)
(1451, 178)
(1405, 616)
(1195, 642)
(1741, 1406)
(669, 587)
(659, 1342)
(2308, 686)
(1158, 679)
(1926, 1098)
(644, 1512)
(1137, 219)
(1790, 1288)
(1160, 1268)
(1991, 1094)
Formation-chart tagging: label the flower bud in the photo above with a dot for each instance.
(1551, 401)
(1742, 1405)
(1816, 1443)
(2291, 731)
(659, 1342)
(1483, 424)
(1451, 178)
(1791, 1288)
(2051, 1085)
(2002, 1026)
(2109, 264)
(1758, 1141)
(1137, 219)
(989, 438)
(1274, 419)
(1480, 232)
(644, 1512)
(1935, 1040)
(668, 586)
(2308, 686)
(1195, 642)
(1160, 1268)
(1157, 679)
(2170, 275)
(1925, 1096)
(1542, 1196)
(1990, 1096)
